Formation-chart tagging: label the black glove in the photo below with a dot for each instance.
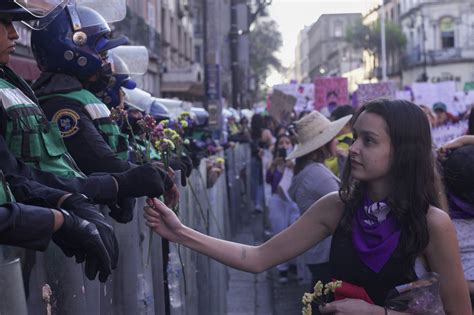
(122, 211)
(82, 207)
(145, 180)
(184, 164)
(81, 238)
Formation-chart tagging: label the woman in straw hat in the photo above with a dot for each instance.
(312, 180)
(386, 225)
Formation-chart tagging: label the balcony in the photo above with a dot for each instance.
(450, 55)
(415, 56)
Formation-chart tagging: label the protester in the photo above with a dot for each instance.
(262, 139)
(282, 211)
(389, 184)
(443, 117)
(313, 180)
(344, 140)
(458, 174)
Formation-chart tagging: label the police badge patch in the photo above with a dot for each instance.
(68, 122)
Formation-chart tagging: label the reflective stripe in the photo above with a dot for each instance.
(97, 111)
(13, 97)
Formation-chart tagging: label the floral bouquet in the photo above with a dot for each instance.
(320, 295)
(418, 297)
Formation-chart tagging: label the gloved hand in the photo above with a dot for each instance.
(184, 164)
(145, 180)
(122, 211)
(81, 238)
(82, 207)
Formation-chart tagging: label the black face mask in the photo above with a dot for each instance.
(104, 80)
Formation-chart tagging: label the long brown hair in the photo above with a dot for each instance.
(412, 177)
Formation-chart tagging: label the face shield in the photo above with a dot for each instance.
(109, 12)
(129, 60)
(41, 8)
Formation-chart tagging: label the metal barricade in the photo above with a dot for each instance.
(57, 284)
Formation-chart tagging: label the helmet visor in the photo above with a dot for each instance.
(41, 8)
(111, 10)
(129, 59)
(41, 23)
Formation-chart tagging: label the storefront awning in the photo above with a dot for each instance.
(187, 88)
(24, 67)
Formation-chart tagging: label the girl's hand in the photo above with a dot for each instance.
(351, 306)
(162, 220)
(453, 144)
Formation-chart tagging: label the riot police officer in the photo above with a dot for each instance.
(32, 139)
(71, 52)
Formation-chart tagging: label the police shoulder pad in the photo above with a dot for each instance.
(68, 122)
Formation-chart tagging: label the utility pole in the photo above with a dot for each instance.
(234, 54)
(383, 43)
(204, 53)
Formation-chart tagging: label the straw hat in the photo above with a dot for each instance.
(313, 131)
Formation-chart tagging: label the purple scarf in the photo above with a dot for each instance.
(375, 233)
(459, 209)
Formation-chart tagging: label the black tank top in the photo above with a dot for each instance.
(346, 266)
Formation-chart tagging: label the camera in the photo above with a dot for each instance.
(281, 153)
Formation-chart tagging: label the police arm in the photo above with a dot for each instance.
(316, 224)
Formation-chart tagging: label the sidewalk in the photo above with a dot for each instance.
(249, 294)
(260, 294)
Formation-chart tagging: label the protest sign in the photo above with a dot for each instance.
(330, 92)
(281, 106)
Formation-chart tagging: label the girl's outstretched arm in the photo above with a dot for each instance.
(316, 224)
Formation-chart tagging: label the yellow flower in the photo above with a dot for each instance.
(307, 298)
(307, 310)
(332, 286)
(184, 123)
(318, 288)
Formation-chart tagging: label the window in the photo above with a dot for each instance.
(197, 53)
(446, 28)
(338, 29)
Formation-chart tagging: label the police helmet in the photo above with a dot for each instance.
(75, 43)
(159, 111)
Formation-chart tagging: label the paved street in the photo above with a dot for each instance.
(260, 294)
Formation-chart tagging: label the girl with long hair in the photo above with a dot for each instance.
(282, 211)
(386, 225)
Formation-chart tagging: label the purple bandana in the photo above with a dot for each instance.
(459, 209)
(375, 233)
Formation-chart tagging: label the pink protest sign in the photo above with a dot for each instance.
(330, 92)
(371, 91)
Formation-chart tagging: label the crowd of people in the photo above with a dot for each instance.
(364, 197)
(66, 162)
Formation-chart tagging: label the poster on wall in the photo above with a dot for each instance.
(371, 91)
(303, 92)
(329, 93)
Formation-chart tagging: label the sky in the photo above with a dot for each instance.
(293, 15)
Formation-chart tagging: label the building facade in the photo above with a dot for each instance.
(329, 53)
(440, 41)
(302, 56)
